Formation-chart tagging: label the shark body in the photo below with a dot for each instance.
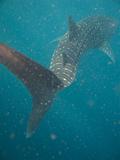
(43, 83)
(93, 32)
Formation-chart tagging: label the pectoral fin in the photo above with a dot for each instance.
(57, 40)
(106, 48)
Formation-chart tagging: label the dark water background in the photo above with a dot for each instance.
(84, 121)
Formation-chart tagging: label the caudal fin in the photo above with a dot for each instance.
(40, 107)
(41, 83)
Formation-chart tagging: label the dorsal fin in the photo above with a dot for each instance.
(73, 29)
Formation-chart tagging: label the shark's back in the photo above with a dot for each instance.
(89, 33)
(95, 30)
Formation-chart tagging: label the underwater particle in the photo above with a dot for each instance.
(91, 103)
(53, 157)
(21, 121)
(73, 105)
(53, 136)
(4, 30)
(82, 81)
(37, 154)
(19, 17)
(67, 148)
(116, 122)
(4, 154)
(8, 113)
(12, 136)
(95, 8)
(53, 5)
(44, 146)
(117, 89)
(18, 147)
(59, 153)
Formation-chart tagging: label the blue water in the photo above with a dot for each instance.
(84, 121)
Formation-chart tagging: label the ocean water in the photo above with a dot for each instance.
(84, 121)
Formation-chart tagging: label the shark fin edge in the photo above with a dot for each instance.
(106, 48)
(39, 109)
(73, 29)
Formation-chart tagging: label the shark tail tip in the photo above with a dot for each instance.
(29, 134)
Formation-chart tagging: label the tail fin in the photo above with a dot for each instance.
(41, 83)
(40, 107)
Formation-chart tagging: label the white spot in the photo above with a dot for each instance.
(53, 136)
(12, 136)
(91, 103)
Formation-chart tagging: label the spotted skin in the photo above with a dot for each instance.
(89, 33)
(44, 83)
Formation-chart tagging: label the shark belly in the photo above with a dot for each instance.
(64, 67)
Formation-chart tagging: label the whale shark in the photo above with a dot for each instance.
(43, 84)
